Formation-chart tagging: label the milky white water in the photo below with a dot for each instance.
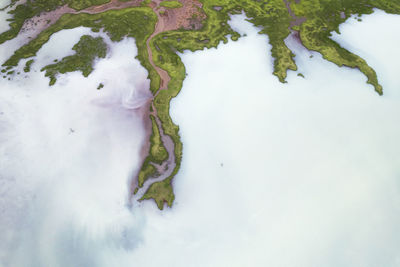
(3, 17)
(301, 174)
(298, 174)
(67, 155)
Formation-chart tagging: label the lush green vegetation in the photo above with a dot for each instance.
(138, 22)
(214, 31)
(157, 154)
(157, 149)
(82, 4)
(87, 50)
(318, 19)
(161, 192)
(147, 171)
(322, 18)
(171, 4)
(33, 8)
(28, 65)
(274, 20)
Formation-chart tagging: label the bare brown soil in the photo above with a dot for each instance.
(186, 17)
(36, 25)
(164, 77)
(113, 4)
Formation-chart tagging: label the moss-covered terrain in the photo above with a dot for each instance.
(157, 154)
(312, 20)
(171, 4)
(33, 8)
(137, 22)
(87, 50)
(324, 17)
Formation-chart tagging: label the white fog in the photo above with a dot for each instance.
(301, 174)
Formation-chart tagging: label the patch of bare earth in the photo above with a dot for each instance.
(113, 4)
(34, 26)
(189, 16)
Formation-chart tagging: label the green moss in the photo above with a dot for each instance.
(165, 45)
(157, 154)
(171, 4)
(319, 18)
(157, 149)
(82, 4)
(274, 20)
(146, 171)
(324, 17)
(161, 192)
(145, 2)
(34, 8)
(136, 190)
(86, 51)
(100, 86)
(138, 22)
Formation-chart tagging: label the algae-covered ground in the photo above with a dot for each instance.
(171, 4)
(311, 21)
(87, 50)
(33, 8)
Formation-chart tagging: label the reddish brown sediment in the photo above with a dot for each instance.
(160, 27)
(144, 113)
(113, 4)
(34, 26)
(187, 17)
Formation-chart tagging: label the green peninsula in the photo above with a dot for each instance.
(163, 28)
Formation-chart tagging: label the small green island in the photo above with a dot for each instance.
(196, 25)
(86, 51)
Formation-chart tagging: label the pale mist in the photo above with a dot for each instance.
(301, 174)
